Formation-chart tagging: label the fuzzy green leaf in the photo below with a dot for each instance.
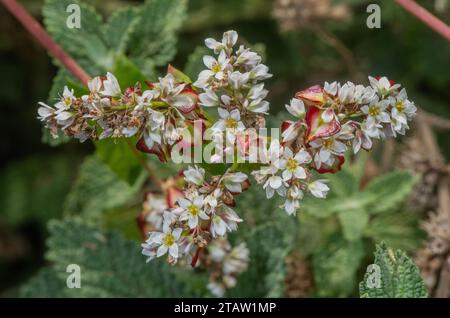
(85, 44)
(269, 245)
(119, 28)
(399, 230)
(353, 223)
(398, 276)
(96, 189)
(110, 267)
(120, 157)
(335, 267)
(389, 190)
(155, 33)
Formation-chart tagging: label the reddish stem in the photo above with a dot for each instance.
(426, 17)
(17, 10)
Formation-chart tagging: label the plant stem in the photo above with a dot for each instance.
(426, 17)
(17, 10)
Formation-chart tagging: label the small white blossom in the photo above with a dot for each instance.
(383, 85)
(376, 112)
(194, 175)
(230, 121)
(193, 210)
(292, 165)
(260, 73)
(318, 188)
(233, 181)
(209, 98)
(331, 88)
(238, 79)
(293, 197)
(327, 147)
(110, 86)
(229, 39)
(402, 111)
(165, 241)
(296, 108)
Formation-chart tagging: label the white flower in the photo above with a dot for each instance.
(211, 200)
(247, 58)
(233, 181)
(229, 39)
(296, 108)
(361, 140)
(237, 260)
(292, 164)
(194, 175)
(155, 124)
(258, 106)
(274, 183)
(230, 121)
(402, 110)
(331, 88)
(260, 73)
(238, 79)
(318, 188)
(327, 147)
(66, 100)
(376, 112)
(193, 209)
(165, 241)
(225, 219)
(209, 98)
(111, 86)
(168, 87)
(45, 111)
(383, 85)
(346, 93)
(216, 67)
(218, 226)
(293, 197)
(257, 92)
(95, 84)
(217, 289)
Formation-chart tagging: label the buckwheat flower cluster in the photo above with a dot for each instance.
(225, 263)
(201, 213)
(328, 121)
(158, 115)
(232, 82)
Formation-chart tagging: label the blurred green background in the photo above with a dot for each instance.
(304, 42)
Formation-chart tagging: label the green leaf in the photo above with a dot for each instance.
(85, 44)
(353, 223)
(45, 284)
(399, 229)
(398, 276)
(335, 266)
(389, 190)
(110, 267)
(97, 189)
(119, 155)
(269, 245)
(34, 189)
(127, 73)
(119, 28)
(155, 33)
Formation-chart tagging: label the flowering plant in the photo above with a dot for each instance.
(188, 218)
